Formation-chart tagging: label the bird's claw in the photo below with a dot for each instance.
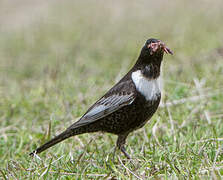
(125, 153)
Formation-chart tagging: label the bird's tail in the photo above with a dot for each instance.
(64, 135)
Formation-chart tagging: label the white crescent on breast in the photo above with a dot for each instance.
(149, 88)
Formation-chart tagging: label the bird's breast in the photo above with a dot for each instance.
(149, 88)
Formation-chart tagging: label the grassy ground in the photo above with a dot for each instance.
(57, 58)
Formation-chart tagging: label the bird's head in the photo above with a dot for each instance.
(156, 47)
(153, 50)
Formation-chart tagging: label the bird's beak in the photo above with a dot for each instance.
(166, 49)
(159, 46)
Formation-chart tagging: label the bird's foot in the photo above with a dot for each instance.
(121, 144)
(123, 150)
(125, 153)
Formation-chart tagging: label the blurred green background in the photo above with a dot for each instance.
(58, 57)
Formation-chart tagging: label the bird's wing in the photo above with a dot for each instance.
(119, 96)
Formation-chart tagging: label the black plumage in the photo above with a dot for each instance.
(128, 105)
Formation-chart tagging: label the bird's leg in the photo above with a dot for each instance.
(121, 144)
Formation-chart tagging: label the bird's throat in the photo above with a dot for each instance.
(151, 71)
(150, 66)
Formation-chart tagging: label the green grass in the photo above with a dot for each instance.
(57, 58)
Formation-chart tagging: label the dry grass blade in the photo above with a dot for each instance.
(189, 99)
(207, 116)
(172, 124)
(206, 170)
(194, 111)
(128, 169)
(207, 140)
(77, 174)
(154, 132)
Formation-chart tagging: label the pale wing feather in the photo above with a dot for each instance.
(104, 107)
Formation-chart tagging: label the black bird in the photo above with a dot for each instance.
(128, 105)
